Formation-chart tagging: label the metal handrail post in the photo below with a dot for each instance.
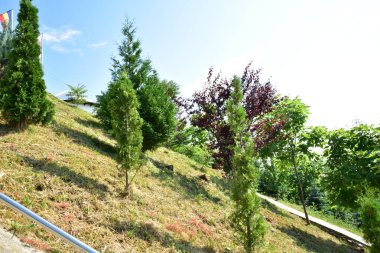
(45, 224)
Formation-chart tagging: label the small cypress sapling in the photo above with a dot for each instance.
(246, 219)
(126, 125)
(22, 88)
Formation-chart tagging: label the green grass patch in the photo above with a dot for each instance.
(329, 218)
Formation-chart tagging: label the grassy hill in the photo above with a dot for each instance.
(68, 174)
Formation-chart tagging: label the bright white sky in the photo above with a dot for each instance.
(327, 52)
(328, 55)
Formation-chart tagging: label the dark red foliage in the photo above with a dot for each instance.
(208, 107)
(266, 132)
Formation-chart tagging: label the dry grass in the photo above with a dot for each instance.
(67, 173)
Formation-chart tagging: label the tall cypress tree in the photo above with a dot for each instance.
(126, 124)
(246, 219)
(23, 94)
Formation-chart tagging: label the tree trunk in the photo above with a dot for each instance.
(249, 236)
(126, 182)
(299, 185)
(22, 124)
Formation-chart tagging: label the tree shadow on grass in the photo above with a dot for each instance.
(160, 165)
(222, 183)
(314, 244)
(274, 209)
(67, 175)
(191, 186)
(198, 168)
(152, 233)
(6, 129)
(87, 140)
(89, 123)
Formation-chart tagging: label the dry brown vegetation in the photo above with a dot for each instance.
(67, 173)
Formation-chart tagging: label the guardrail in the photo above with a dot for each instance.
(45, 224)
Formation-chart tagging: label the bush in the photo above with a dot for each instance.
(370, 213)
(192, 142)
(101, 109)
(158, 112)
(316, 198)
(275, 181)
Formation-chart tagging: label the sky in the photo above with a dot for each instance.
(325, 52)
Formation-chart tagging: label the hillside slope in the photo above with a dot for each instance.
(67, 173)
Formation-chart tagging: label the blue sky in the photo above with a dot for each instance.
(326, 52)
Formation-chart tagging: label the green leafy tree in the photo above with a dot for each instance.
(158, 109)
(276, 180)
(246, 219)
(353, 158)
(23, 97)
(353, 175)
(77, 94)
(126, 125)
(290, 148)
(192, 142)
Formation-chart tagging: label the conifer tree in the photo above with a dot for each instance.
(130, 60)
(22, 89)
(246, 220)
(158, 110)
(126, 124)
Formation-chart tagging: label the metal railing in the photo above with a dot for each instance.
(45, 224)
